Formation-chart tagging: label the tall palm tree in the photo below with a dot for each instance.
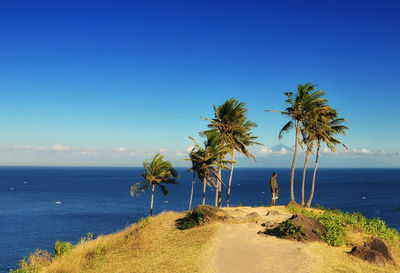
(299, 106)
(156, 173)
(205, 161)
(230, 120)
(324, 129)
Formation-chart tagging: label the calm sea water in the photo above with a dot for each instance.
(97, 200)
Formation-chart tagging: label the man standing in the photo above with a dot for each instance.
(274, 188)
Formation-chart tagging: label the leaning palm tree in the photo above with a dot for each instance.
(305, 101)
(156, 173)
(324, 130)
(205, 161)
(230, 120)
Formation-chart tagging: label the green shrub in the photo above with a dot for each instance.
(290, 230)
(191, 220)
(335, 226)
(61, 248)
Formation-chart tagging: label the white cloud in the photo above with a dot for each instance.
(265, 151)
(362, 151)
(162, 150)
(132, 154)
(283, 151)
(59, 147)
(122, 150)
(88, 153)
(189, 149)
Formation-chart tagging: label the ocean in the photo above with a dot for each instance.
(40, 205)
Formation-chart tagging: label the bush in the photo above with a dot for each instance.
(335, 226)
(61, 248)
(290, 230)
(191, 220)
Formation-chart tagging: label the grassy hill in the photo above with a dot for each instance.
(155, 244)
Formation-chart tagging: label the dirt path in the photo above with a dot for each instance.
(239, 248)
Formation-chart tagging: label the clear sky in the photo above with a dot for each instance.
(112, 82)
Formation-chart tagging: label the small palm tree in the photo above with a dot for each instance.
(230, 120)
(156, 173)
(305, 101)
(205, 161)
(324, 129)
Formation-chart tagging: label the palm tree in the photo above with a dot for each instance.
(205, 161)
(306, 100)
(230, 120)
(324, 129)
(156, 173)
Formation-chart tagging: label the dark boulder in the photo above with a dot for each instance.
(298, 227)
(376, 251)
(312, 229)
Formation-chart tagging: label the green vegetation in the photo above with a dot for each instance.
(191, 220)
(290, 230)
(156, 173)
(339, 223)
(62, 248)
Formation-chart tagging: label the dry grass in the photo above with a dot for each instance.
(355, 237)
(156, 247)
(336, 259)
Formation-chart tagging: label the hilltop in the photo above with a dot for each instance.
(232, 242)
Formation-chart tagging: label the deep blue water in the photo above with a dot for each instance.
(97, 200)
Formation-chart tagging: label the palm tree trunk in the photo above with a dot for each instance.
(204, 191)
(304, 177)
(230, 180)
(294, 163)
(308, 204)
(152, 200)
(191, 193)
(219, 188)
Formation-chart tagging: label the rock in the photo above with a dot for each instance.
(309, 229)
(312, 229)
(211, 214)
(376, 251)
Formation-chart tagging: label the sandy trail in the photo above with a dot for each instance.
(239, 247)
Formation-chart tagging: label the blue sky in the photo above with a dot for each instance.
(112, 82)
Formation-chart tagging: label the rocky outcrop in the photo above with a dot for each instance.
(376, 251)
(298, 227)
